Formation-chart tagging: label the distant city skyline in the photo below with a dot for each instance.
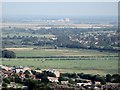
(60, 8)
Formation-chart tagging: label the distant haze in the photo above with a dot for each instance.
(29, 9)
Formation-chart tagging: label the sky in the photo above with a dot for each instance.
(60, 0)
(60, 8)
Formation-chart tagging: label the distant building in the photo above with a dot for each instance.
(67, 19)
(38, 71)
(53, 79)
(57, 73)
(4, 67)
(64, 82)
(97, 83)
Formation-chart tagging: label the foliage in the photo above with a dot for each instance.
(6, 80)
(18, 80)
(36, 85)
(8, 54)
(50, 74)
(66, 37)
(108, 78)
(115, 78)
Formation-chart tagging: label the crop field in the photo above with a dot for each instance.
(86, 66)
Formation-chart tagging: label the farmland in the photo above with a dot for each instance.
(85, 66)
(31, 52)
(65, 60)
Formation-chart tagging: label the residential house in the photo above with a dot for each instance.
(53, 79)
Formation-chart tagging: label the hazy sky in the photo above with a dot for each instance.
(60, 0)
(60, 8)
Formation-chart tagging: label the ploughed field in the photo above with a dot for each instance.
(65, 60)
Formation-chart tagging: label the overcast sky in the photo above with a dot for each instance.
(60, 8)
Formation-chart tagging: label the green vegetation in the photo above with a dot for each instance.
(8, 54)
(66, 60)
(66, 49)
(103, 39)
(59, 52)
(86, 66)
(29, 35)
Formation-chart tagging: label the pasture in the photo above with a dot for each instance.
(65, 60)
(78, 66)
(31, 52)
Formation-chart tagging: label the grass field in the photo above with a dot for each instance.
(25, 52)
(94, 64)
(85, 66)
(28, 34)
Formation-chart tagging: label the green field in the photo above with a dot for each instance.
(74, 60)
(86, 66)
(28, 34)
(60, 52)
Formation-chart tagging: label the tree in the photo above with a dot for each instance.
(6, 80)
(102, 80)
(30, 83)
(4, 85)
(115, 78)
(50, 74)
(108, 78)
(44, 80)
(71, 81)
(8, 54)
(62, 78)
(27, 75)
(18, 80)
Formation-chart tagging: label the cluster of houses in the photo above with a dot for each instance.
(6, 71)
(96, 38)
(20, 71)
